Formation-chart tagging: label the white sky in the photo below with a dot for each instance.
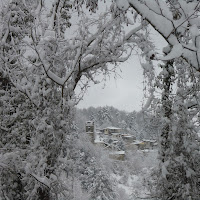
(125, 93)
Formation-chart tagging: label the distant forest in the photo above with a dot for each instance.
(139, 124)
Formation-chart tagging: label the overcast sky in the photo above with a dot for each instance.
(125, 93)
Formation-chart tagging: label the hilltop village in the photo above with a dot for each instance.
(116, 140)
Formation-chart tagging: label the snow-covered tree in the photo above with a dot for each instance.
(104, 117)
(178, 23)
(41, 65)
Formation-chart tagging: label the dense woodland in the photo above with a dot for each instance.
(50, 48)
(141, 125)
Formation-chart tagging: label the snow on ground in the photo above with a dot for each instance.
(128, 187)
(134, 186)
(134, 183)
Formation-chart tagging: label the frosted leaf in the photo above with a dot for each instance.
(194, 32)
(191, 56)
(174, 129)
(164, 172)
(176, 52)
(189, 172)
(148, 103)
(71, 103)
(43, 180)
(147, 67)
(28, 168)
(122, 4)
(191, 103)
(151, 54)
(164, 169)
(53, 177)
(48, 80)
(49, 35)
(46, 92)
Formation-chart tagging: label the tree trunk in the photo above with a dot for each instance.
(167, 112)
(165, 142)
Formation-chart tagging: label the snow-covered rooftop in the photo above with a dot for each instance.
(89, 122)
(117, 153)
(137, 142)
(127, 136)
(149, 140)
(115, 133)
(89, 132)
(98, 139)
(112, 127)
